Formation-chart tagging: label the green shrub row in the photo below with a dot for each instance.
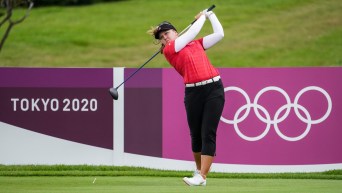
(39, 3)
(87, 170)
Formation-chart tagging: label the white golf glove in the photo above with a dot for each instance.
(208, 13)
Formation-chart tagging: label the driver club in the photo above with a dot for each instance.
(114, 91)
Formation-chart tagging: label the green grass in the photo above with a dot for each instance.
(85, 178)
(132, 184)
(257, 33)
(86, 170)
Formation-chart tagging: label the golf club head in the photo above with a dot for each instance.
(114, 93)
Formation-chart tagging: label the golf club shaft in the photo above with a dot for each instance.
(154, 55)
(209, 9)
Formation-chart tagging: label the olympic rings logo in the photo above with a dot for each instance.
(276, 119)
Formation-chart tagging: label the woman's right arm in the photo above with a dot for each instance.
(189, 35)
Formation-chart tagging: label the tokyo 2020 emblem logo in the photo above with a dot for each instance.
(268, 120)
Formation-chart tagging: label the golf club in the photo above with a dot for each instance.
(114, 91)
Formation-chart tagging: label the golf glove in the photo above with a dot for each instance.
(208, 13)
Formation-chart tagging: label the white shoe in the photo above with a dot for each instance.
(196, 172)
(197, 180)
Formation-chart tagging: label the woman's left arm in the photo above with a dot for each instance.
(212, 39)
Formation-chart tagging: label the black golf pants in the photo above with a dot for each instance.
(204, 106)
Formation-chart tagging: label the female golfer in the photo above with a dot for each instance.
(204, 93)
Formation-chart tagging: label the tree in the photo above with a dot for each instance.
(9, 5)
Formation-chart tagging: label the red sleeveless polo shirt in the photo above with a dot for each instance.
(191, 62)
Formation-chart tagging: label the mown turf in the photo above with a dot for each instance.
(86, 170)
(85, 178)
(133, 184)
(257, 33)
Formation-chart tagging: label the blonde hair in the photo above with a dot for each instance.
(152, 31)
